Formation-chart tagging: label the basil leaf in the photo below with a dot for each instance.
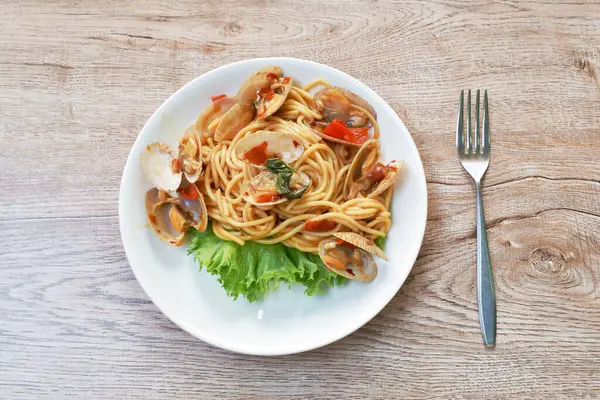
(284, 173)
(296, 194)
(276, 166)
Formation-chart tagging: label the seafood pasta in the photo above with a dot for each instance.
(279, 163)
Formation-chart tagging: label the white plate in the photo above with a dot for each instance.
(286, 321)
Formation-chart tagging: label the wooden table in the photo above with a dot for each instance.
(79, 79)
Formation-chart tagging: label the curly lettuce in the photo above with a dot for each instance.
(254, 269)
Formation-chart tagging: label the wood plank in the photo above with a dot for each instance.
(78, 81)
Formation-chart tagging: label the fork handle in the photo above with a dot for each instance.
(486, 299)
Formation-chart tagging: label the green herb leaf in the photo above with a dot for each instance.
(284, 174)
(380, 242)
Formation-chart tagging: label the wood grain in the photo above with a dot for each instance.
(79, 79)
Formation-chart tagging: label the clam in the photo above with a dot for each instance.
(262, 190)
(261, 79)
(368, 154)
(336, 103)
(213, 111)
(190, 155)
(191, 200)
(233, 121)
(349, 255)
(162, 166)
(270, 99)
(170, 217)
(342, 122)
(258, 147)
(367, 176)
(362, 242)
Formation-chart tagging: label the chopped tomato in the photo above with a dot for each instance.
(152, 218)
(175, 166)
(190, 192)
(262, 112)
(337, 129)
(286, 79)
(272, 75)
(322, 225)
(267, 197)
(341, 242)
(258, 154)
(377, 173)
(267, 93)
(215, 98)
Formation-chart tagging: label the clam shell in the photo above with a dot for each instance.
(364, 271)
(159, 219)
(190, 155)
(157, 159)
(211, 112)
(233, 121)
(357, 100)
(367, 154)
(266, 183)
(361, 242)
(260, 79)
(285, 146)
(266, 108)
(394, 168)
(196, 208)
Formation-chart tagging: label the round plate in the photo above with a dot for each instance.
(286, 321)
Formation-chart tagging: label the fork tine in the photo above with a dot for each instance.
(477, 130)
(486, 124)
(468, 134)
(460, 139)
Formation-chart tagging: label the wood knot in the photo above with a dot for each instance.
(586, 66)
(550, 266)
(233, 28)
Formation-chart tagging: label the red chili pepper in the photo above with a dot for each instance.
(378, 173)
(341, 242)
(267, 197)
(152, 218)
(337, 129)
(267, 93)
(190, 192)
(286, 79)
(322, 225)
(272, 75)
(175, 166)
(215, 98)
(296, 144)
(258, 154)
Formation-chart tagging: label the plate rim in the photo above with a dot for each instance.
(234, 347)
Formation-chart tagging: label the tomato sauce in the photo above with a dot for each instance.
(258, 154)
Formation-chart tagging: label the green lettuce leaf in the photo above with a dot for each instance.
(254, 269)
(380, 242)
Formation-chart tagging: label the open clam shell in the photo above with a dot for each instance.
(361, 242)
(213, 111)
(261, 79)
(270, 100)
(392, 172)
(165, 218)
(262, 189)
(190, 155)
(347, 260)
(171, 216)
(162, 166)
(367, 155)
(336, 103)
(258, 147)
(233, 121)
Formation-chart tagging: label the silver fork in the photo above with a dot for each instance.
(475, 158)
